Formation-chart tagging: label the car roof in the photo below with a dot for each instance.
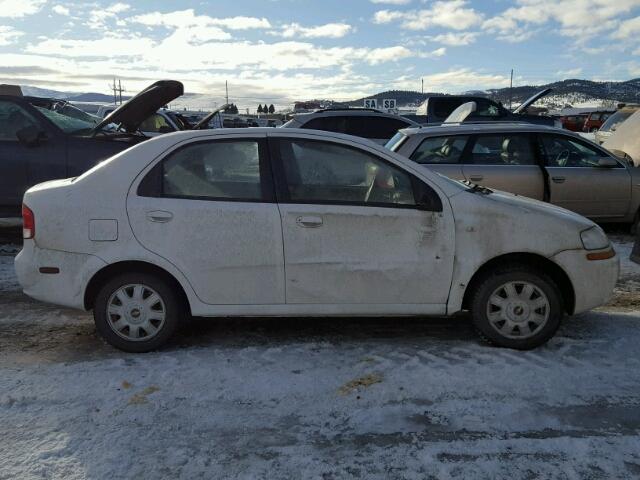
(349, 112)
(478, 127)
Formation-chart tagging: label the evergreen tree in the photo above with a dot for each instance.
(272, 109)
(260, 108)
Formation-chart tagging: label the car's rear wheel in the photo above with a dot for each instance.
(137, 312)
(517, 307)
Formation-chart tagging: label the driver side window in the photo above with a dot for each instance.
(322, 172)
(562, 151)
(12, 119)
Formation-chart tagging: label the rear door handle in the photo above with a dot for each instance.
(309, 221)
(159, 216)
(476, 178)
(558, 179)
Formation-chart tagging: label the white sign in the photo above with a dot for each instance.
(389, 104)
(370, 103)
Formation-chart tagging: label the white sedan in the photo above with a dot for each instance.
(286, 222)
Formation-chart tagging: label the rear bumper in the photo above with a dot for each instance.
(65, 288)
(593, 280)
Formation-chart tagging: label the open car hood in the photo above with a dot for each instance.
(461, 113)
(527, 103)
(625, 139)
(131, 114)
(202, 124)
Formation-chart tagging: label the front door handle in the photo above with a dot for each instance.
(558, 179)
(476, 178)
(159, 216)
(309, 221)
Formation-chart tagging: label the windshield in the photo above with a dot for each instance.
(65, 123)
(396, 142)
(616, 119)
(74, 112)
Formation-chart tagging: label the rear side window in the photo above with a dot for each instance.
(328, 124)
(502, 149)
(374, 127)
(215, 170)
(440, 150)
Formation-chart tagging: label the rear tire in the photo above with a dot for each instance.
(137, 312)
(516, 307)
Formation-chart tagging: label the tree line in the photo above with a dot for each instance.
(265, 109)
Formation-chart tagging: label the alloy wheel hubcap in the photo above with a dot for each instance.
(136, 312)
(518, 310)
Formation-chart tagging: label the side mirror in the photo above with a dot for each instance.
(426, 198)
(608, 162)
(30, 135)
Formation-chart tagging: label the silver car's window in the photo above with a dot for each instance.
(440, 150)
(324, 172)
(13, 118)
(216, 170)
(562, 151)
(502, 149)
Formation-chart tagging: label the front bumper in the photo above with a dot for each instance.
(593, 280)
(65, 288)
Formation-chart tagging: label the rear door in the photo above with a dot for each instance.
(22, 166)
(577, 182)
(442, 154)
(208, 207)
(505, 161)
(354, 239)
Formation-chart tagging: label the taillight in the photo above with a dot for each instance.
(28, 222)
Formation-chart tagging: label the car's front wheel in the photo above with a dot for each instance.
(517, 307)
(137, 312)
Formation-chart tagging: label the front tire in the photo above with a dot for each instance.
(137, 312)
(517, 307)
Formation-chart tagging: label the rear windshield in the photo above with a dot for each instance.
(616, 119)
(396, 141)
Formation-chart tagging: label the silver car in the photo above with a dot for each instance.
(539, 162)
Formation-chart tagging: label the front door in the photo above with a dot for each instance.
(208, 208)
(353, 236)
(505, 161)
(22, 166)
(577, 182)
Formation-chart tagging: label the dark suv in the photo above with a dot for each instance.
(360, 122)
(39, 144)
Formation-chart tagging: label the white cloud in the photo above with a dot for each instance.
(330, 30)
(99, 17)
(20, 8)
(456, 80)
(456, 39)
(61, 10)
(576, 18)
(451, 14)
(570, 73)
(188, 18)
(628, 29)
(8, 35)
(391, 2)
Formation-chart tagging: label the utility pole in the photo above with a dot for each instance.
(226, 88)
(117, 89)
(113, 88)
(120, 90)
(422, 85)
(511, 90)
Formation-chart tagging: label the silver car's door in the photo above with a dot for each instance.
(354, 239)
(209, 208)
(505, 161)
(577, 182)
(441, 154)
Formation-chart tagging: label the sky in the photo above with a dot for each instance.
(279, 51)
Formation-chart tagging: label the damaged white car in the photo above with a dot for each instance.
(286, 222)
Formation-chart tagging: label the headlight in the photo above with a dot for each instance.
(594, 239)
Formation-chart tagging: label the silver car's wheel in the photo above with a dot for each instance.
(136, 312)
(518, 310)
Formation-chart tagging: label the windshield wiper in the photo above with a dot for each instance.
(475, 188)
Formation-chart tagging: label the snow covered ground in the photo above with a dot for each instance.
(325, 399)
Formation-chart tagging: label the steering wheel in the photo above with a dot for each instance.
(562, 157)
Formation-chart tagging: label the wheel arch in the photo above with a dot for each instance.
(105, 274)
(536, 262)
